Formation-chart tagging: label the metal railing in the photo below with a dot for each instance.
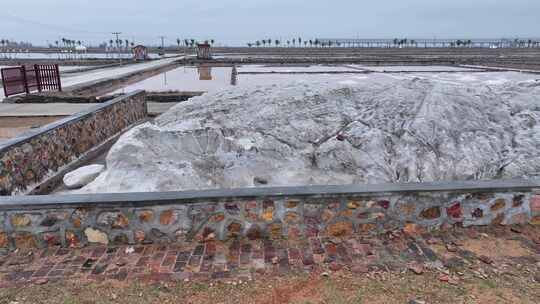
(28, 79)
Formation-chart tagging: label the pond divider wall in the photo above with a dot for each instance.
(276, 213)
(30, 159)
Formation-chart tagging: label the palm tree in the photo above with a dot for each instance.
(310, 43)
(276, 42)
(178, 42)
(299, 41)
(288, 43)
(212, 41)
(294, 42)
(258, 43)
(264, 42)
(249, 44)
(305, 43)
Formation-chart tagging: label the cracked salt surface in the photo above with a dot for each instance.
(392, 129)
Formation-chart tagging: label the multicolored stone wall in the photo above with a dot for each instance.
(288, 217)
(30, 159)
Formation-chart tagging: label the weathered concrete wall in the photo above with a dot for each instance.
(28, 160)
(76, 220)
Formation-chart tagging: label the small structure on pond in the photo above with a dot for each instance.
(140, 52)
(203, 51)
(234, 76)
(205, 72)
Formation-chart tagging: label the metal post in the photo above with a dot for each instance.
(38, 77)
(25, 81)
(58, 77)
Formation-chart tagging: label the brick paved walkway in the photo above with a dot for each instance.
(246, 260)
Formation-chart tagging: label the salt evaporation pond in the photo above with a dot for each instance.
(416, 68)
(212, 79)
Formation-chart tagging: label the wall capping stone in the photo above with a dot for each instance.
(263, 213)
(220, 195)
(27, 136)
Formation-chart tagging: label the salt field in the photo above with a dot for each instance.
(414, 68)
(212, 79)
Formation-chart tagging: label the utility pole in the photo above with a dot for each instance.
(162, 44)
(116, 41)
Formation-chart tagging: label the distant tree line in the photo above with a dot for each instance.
(9, 47)
(191, 43)
(395, 43)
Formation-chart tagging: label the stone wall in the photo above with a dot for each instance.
(289, 213)
(28, 160)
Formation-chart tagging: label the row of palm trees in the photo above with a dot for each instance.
(395, 43)
(120, 44)
(526, 44)
(298, 42)
(191, 43)
(294, 42)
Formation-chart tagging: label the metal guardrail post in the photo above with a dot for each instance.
(38, 76)
(25, 82)
(58, 77)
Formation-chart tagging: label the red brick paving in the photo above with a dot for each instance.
(245, 259)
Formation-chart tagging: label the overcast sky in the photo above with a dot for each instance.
(235, 21)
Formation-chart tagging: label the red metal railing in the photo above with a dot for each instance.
(14, 81)
(27, 79)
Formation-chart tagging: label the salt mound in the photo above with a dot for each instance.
(82, 176)
(321, 133)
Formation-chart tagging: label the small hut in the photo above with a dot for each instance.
(203, 51)
(140, 52)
